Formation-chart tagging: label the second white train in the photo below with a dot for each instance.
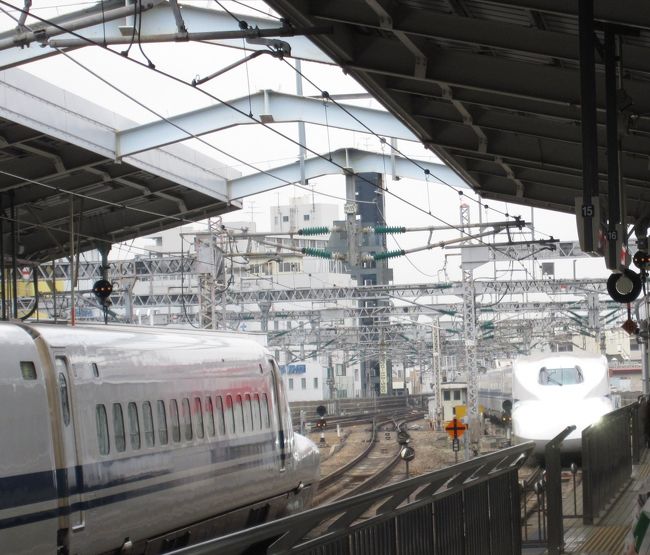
(548, 393)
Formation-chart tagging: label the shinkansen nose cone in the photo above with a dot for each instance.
(552, 392)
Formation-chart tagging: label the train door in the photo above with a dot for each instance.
(70, 475)
(283, 415)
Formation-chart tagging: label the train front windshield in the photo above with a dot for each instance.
(560, 376)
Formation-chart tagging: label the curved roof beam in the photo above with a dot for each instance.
(266, 106)
(158, 20)
(352, 160)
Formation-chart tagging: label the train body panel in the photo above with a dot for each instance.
(28, 483)
(495, 387)
(151, 430)
(551, 392)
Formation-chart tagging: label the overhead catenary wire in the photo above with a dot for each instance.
(325, 95)
(210, 95)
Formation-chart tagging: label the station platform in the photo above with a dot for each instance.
(610, 532)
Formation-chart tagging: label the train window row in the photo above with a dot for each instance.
(189, 419)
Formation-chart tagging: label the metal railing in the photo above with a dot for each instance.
(607, 455)
(542, 513)
(553, 485)
(471, 507)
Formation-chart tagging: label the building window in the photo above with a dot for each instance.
(134, 426)
(315, 383)
(457, 395)
(303, 383)
(290, 383)
(634, 346)
(340, 370)
(446, 395)
(565, 347)
(102, 429)
(162, 423)
(285, 218)
(306, 217)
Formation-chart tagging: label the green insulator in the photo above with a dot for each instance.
(318, 253)
(318, 230)
(388, 254)
(389, 229)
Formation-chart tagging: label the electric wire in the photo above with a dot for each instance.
(375, 134)
(217, 99)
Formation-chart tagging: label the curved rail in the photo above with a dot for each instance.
(328, 481)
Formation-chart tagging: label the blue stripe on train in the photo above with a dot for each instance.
(49, 485)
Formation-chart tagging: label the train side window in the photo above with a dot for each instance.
(102, 430)
(95, 369)
(239, 415)
(134, 425)
(209, 416)
(230, 415)
(28, 370)
(257, 413)
(248, 413)
(187, 419)
(162, 423)
(147, 420)
(118, 427)
(221, 422)
(265, 412)
(65, 403)
(176, 425)
(198, 411)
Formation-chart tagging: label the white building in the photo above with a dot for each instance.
(250, 265)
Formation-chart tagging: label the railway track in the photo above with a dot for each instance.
(361, 472)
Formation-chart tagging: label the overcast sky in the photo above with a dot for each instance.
(262, 149)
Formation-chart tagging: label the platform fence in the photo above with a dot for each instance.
(472, 508)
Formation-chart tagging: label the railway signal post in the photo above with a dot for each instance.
(321, 411)
(455, 428)
(406, 452)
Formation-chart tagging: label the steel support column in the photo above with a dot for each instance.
(615, 231)
(3, 266)
(469, 328)
(437, 379)
(589, 123)
(14, 257)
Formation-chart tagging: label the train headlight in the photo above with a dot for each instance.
(593, 410)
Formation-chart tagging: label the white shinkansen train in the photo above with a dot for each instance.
(550, 392)
(130, 440)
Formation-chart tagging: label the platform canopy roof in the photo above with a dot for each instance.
(494, 87)
(58, 163)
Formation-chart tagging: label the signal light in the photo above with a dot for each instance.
(102, 289)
